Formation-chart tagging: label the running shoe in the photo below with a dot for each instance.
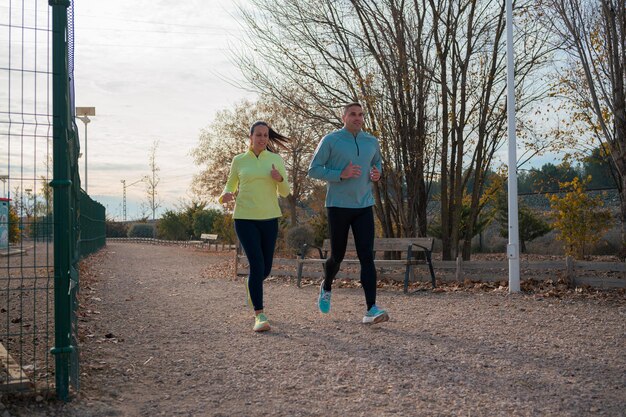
(260, 323)
(323, 302)
(375, 315)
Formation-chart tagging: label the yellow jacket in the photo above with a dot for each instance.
(257, 198)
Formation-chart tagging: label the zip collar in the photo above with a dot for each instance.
(350, 133)
(251, 153)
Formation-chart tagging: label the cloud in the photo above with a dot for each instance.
(153, 70)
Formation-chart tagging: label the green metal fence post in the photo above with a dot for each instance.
(61, 184)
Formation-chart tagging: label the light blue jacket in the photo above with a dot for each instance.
(334, 152)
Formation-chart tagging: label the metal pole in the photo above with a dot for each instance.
(61, 185)
(513, 246)
(86, 123)
(124, 199)
(85, 119)
(124, 194)
(4, 179)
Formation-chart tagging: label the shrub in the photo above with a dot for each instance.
(116, 229)
(579, 218)
(203, 221)
(15, 234)
(319, 225)
(298, 236)
(224, 227)
(173, 226)
(42, 227)
(141, 230)
(530, 225)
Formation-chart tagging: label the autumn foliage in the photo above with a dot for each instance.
(579, 218)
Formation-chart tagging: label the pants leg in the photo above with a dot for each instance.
(363, 231)
(249, 235)
(269, 234)
(339, 226)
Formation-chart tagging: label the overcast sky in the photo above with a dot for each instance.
(154, 70)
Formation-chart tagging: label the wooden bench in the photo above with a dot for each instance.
(206, 237)
(408, 248)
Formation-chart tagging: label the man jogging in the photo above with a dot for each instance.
(349, 161)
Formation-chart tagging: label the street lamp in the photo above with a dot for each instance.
(28, 198)
(82, 113)
(4, 178)
(512, 248)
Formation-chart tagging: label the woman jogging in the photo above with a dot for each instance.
(255, 180)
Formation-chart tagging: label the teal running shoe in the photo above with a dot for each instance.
(375, 315)
(323, 302)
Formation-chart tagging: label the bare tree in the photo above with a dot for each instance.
(228, 136)
(593, 34)
(338, 52)
(218, 143)
(398, 39)
(152, 180)
(430, 74)
(471, 74)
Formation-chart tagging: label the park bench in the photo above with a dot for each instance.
(410, 250)
(207, 237)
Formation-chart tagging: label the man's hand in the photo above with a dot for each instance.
(374, 174)
(351, 171)
(276, 175)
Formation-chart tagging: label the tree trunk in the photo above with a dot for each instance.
(293, 217)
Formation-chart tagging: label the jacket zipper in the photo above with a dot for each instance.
(356, 144)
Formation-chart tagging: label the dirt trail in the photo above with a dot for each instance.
(167, 332)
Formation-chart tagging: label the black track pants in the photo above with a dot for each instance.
(361, 220)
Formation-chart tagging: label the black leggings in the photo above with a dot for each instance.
(340, 220)
(258, 239)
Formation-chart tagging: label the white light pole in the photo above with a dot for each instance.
(512, 249)
(28, 198)
(4, 178)
(82, 113)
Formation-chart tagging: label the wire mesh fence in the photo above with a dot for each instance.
(26, 252)
(46, 221)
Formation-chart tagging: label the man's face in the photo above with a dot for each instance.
(353, 118)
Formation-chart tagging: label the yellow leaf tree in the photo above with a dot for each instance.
(579, 218)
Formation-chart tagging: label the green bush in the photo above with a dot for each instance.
(319, 225)
(116, 229)
(42, 227)
(141, 230)
(204, 220)
(173, 226)
(15, 234)
(530, 224)
(224, 227)
(298, 236)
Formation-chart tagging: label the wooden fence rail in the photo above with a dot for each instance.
(194, 243)
(577, 273)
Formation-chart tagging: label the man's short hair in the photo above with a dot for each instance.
(347, 106)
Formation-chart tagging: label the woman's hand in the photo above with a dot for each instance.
(227, 198)
(276, 175)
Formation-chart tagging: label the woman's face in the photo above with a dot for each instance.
(259, 137)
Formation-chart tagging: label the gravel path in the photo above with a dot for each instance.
(166, 332)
